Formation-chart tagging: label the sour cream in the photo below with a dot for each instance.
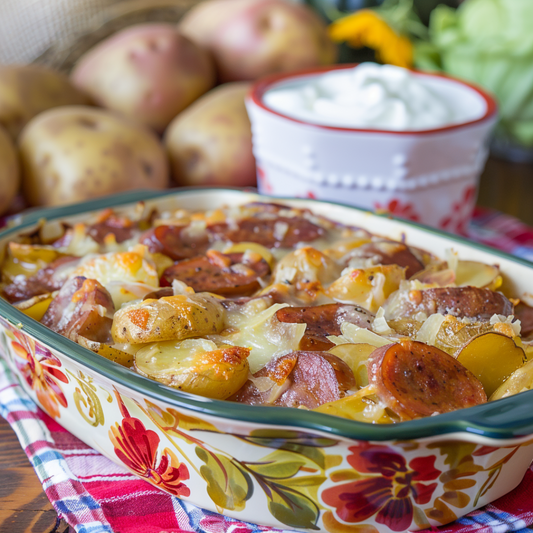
(371, 96)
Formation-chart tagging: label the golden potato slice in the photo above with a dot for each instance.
(492, 358)
(173, 317)
(367, 287)
(27, 259)
(37, 306)
(362, 406)
(109, 352)
(197, 366)
(519, 381)
(356, 357)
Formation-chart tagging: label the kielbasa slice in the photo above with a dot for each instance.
(415, 380)
(175, 242)
(279, 232)
(47, 279)
(461, 302)
(234, 274)
(389, 253)
(299, 379)
(524, 313)
(322, 321)
(83, 307)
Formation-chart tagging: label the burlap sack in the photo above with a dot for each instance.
(57, 32)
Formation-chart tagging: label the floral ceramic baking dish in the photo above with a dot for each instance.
(285, 468)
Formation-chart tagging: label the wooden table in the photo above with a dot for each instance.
(24, 507)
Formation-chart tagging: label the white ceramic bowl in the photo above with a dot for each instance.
(428, 176)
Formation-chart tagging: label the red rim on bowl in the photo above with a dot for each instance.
(260, 87)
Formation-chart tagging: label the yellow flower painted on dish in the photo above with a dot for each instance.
(367, 28)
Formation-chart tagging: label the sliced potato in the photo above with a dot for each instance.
(362, 406)
(109, 352)
(306, 265)
(37, 306)
(27, 259)
(492, 358)
(197, 366)
(519, 381)
(340, 249)
(355, 356)
(477, 274)
(367, 287)
(173, 317)
(242, 247)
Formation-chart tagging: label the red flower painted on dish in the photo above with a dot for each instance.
(266, 186)
(388, 491)
(461, 214)
(137, 447)
(40, 369)
(399, 209)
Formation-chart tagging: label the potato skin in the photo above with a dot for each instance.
(71, 154)
(173, 317)
(210, 143)
(27, 90)
(147, 72)
(253, 38)
(9, 171)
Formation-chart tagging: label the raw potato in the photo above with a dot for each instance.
(210, 143)
(492, 358)
(27, 90)
(148, 72)
(173, 317)
(197, 366)
(71, 154)
(9, 170)
(252, 38)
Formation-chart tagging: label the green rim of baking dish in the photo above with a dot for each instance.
(503, 419)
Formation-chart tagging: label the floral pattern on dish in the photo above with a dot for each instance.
(40, 369)
(388, 488)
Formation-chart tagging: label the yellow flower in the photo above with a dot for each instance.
(367, 28)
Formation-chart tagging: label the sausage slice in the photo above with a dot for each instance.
(389, 253)
(47, 279)
(322, 321)
(235, 274)
(175, 242)
(299, 379)
(416, 380)
(461, 302)
(279, 232)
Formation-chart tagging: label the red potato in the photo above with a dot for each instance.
(415, 379)
(210, 143)
(147, 72)
(253, 38)
(83, 308)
